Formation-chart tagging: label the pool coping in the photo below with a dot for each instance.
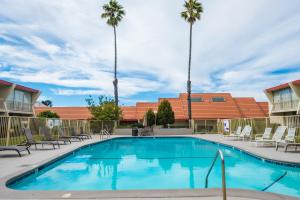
(8, 193)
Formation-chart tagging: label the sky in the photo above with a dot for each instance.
(65, 49)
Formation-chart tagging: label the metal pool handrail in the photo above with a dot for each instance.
(103, 133)
(219, 153)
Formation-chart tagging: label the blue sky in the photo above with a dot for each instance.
(65, 49)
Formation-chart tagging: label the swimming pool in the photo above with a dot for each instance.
(159, 163)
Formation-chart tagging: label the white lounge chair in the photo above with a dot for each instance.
(246, 133)
(265, 136)
(278, 135)
(289, 140)
(234, 134)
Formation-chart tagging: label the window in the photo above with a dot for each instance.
(218, 99)
(20, 96)
(196, 99)
(284, 95)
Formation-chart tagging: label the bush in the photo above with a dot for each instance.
(150, 117)
(48, 114)
(165, 114)
(105, 110)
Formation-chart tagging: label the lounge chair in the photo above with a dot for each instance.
(82, 133)
(246, 133)
(47, 136)
(74, 134)
(265, 136)
(31, 141)
(62, 135)
(288, 141)
(17, 148)
(234, 134)
(278, 135)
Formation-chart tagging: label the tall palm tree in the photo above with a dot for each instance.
(192, 13)
(114, 13)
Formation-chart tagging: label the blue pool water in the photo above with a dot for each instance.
(159, 163)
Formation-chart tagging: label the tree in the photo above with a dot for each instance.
(192, 13)
(150, 117)
(114, 13)
(105, 110)
(48, 114)
(165, 114)
(47, 103)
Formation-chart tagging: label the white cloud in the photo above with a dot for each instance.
(43, 98)
(68, 92)
(235, 46)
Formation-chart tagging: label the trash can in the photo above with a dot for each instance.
(135, 131)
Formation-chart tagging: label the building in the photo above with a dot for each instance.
(17, 100)
(207, 108)
(284, 99)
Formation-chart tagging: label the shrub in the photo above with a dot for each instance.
(150, 117)
(48, 114)
(165, 114)
(105, 110)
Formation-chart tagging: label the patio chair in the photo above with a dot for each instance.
(278, 135)
(265, 136)
(31, 141)
(62, 135)
(47, 136)
(246, 133)
(288, 141)
(84, 134)
(234, 134)
(75, 134)
(16, 148)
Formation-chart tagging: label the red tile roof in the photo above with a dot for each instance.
(23, 88)
(250, 108)
(231, 108)
(19, 87)
(278, 87)
(264, 106)
(129, 113)
(296, 82)
(283, 86)
(2, 82)
(67, 112)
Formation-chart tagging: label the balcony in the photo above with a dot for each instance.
(285, 106)
(17, 106)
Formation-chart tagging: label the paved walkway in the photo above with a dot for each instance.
(11, 163)
(265, 152)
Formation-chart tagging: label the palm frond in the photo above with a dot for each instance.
(192, 11)
(113, 13)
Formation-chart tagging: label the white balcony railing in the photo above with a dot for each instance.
(285, 106)
(18, 106)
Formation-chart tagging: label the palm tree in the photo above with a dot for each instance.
(192, 13)
(114, 14)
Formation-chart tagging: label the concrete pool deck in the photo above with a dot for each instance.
(12, 165)
(265, 152)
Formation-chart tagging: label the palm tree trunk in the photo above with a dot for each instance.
(115, 82)
(189, 87)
